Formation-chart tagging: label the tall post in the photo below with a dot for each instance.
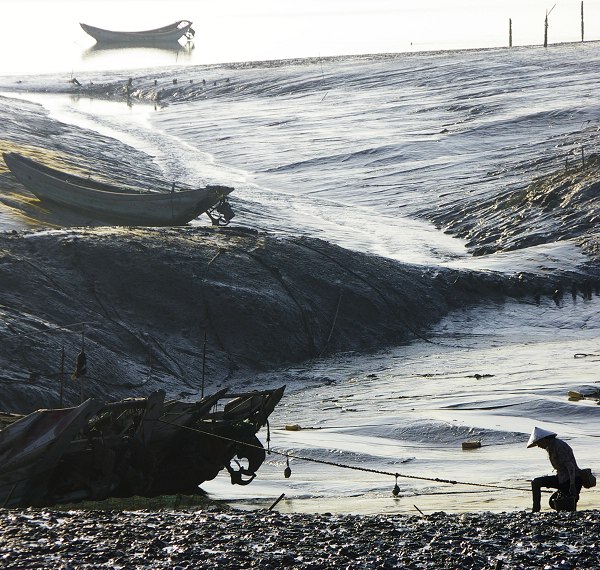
(203, 365)
(84, 370)
(582, 27)
(548, 12)
(510, 32)
(62, 376)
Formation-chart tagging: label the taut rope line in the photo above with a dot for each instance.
(352, 467)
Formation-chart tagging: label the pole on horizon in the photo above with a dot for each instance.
(582, 27)
(510, 32)
(546, 26)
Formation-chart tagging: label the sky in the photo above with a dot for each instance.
(256, 30)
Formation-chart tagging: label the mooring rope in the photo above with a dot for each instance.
(47, 330)
(337, 310)
(352, 467)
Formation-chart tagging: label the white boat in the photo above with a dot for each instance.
(167, 34)
(108, 203)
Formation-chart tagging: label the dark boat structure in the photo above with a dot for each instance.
(164, 35)
(108, 203)
(135, 447)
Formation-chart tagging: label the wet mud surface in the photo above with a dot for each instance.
(156, 308)
(147, 302)
(558, 206)
(263, 539)
(541, 200)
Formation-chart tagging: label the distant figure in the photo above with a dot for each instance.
(567, 479)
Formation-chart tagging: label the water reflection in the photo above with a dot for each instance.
(164, 53)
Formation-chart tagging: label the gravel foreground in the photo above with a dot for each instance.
(79, 539)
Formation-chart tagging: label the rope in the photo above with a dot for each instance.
(337, 310)
(46, 331)
(351, 467)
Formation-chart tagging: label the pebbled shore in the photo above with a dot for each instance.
(263, 539)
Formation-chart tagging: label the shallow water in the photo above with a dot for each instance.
(409, 409)
(362, 152)
(41, 37)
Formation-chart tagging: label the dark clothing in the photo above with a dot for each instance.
(551, 481)
(562, 459)
(567, 477)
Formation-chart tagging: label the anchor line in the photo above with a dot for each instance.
(353, 467)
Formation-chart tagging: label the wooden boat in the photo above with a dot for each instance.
(167, 34)
(112, 204)
(135, 447)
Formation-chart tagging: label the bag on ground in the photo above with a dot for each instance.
(588, 479)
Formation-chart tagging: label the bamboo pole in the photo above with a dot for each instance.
(203, 365)
(62, 376)
(548, 12)
(83, 352)
(277, 501)
(510, 32)
(582, 26)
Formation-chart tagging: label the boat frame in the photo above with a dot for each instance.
(164, 35)
(109, 203)
(144, 447)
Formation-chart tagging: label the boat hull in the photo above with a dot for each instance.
(135, 447)
(167, 34)
(108, 203)
(31, 447)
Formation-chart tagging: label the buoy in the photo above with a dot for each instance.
(472, 444)
(287, 472)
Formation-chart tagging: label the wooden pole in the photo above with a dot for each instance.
(582, 27)
(277, 501)
(510, 32)
(62, 377)
(203, 364)
(548, 12)
(82, 350)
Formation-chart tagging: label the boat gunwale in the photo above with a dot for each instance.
(169, 33)
(110, 204)
(105, 187)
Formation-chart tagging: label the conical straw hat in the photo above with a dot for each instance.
(537, 434)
